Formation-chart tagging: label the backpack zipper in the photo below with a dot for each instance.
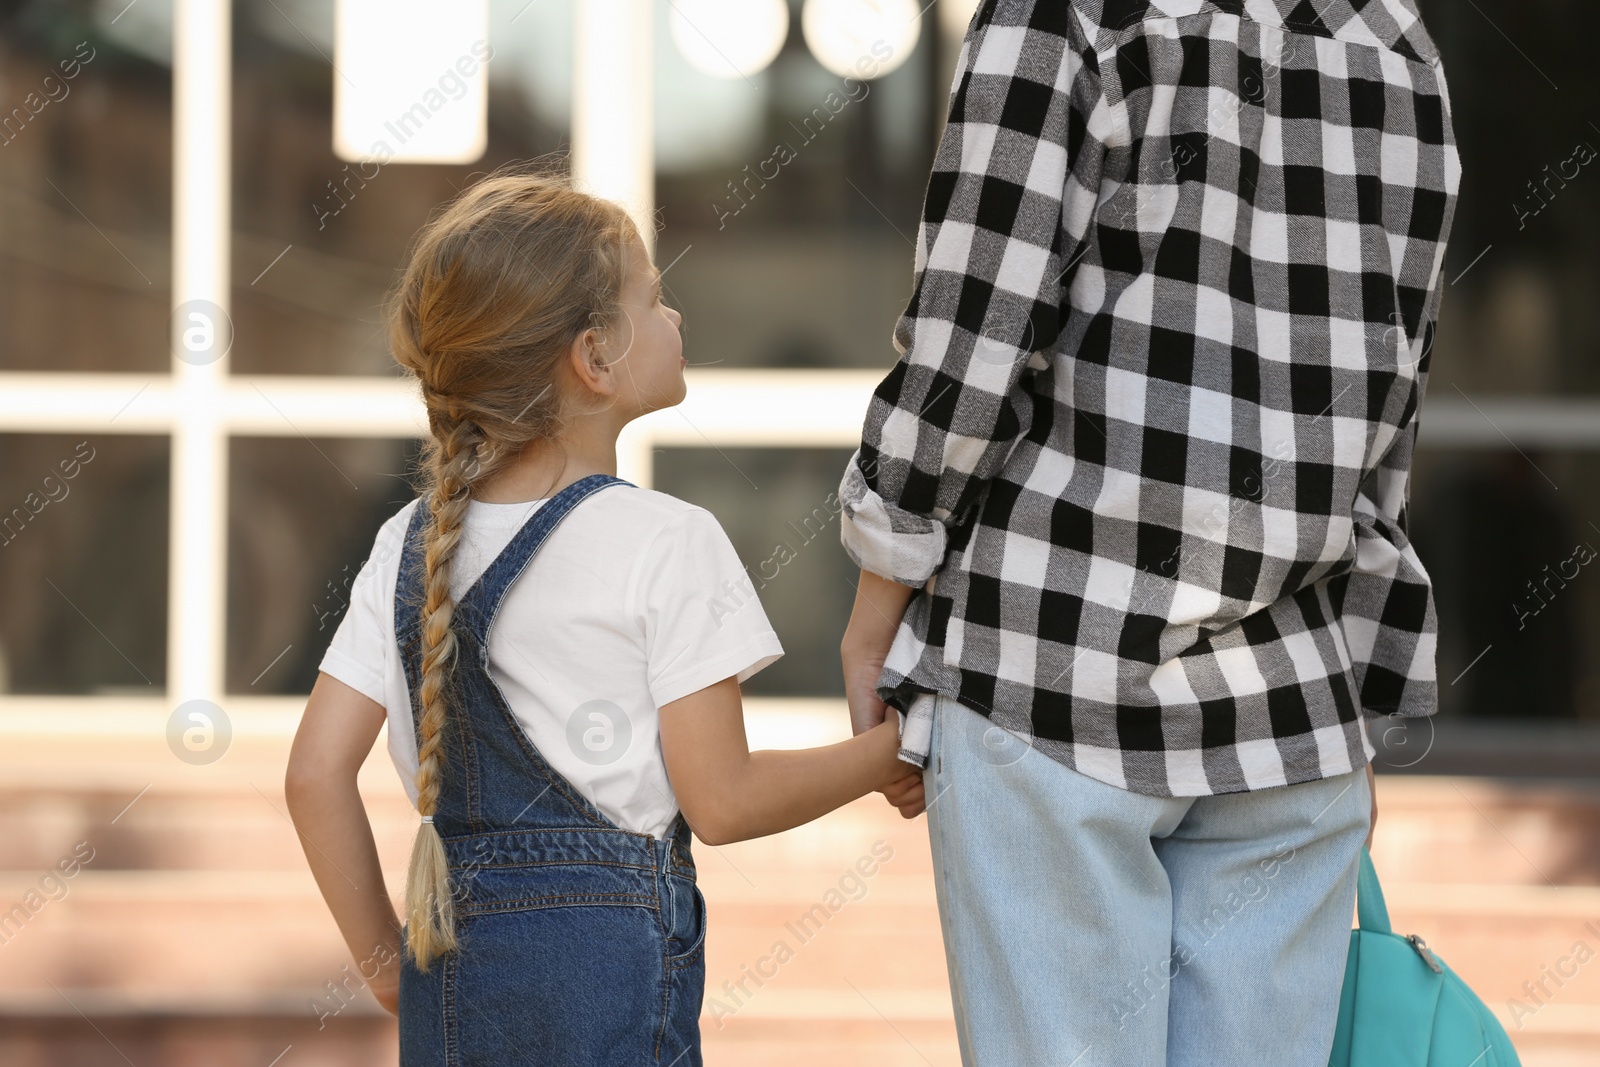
(1427, 954)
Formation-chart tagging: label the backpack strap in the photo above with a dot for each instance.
(1371, 912)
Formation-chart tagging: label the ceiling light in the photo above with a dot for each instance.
(860, 38)
(729, 38)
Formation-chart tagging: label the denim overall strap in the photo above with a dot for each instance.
(495, 780)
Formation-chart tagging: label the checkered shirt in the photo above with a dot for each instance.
(1145, 451)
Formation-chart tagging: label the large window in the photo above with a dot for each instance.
(203, 550)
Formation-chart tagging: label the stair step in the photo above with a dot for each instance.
(196, 934)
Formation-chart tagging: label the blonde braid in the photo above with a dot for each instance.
(453, 464)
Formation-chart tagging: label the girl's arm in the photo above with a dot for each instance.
(728, 793)
(335, 735)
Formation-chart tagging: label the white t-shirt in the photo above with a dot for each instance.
(635, 599)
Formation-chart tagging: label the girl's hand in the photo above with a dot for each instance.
(885, 741)
(907, 794)
(902, 783)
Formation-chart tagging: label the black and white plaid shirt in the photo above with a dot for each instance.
(1146, 448)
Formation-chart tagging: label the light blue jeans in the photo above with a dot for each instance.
(1090, 926)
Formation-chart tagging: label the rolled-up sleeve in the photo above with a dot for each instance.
(992, 251)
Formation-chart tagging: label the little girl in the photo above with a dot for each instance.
(561, 723)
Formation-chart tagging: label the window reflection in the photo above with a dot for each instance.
(1519, 313)
(789, 200)
(302, 518)
(1513, 562)
(317, 240)
(85, 189)
(83, 562)
(780, 510)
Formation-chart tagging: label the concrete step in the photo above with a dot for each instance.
(196, 934)
(126, 946)
(1487, 830)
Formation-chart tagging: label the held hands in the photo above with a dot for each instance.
(901, 783)
(907, 793)
(879, 606)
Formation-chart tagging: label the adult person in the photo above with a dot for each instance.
(1131, 512)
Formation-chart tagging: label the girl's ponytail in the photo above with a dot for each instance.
(498, 286)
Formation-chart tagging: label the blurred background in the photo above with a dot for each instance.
(181, 514)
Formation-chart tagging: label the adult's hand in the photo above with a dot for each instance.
(874, 619)
(862, 664)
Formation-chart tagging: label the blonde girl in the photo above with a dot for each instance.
(561, 723)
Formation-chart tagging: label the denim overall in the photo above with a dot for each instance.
(580, 943)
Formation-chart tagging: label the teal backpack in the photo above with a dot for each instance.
(1402, 1006)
